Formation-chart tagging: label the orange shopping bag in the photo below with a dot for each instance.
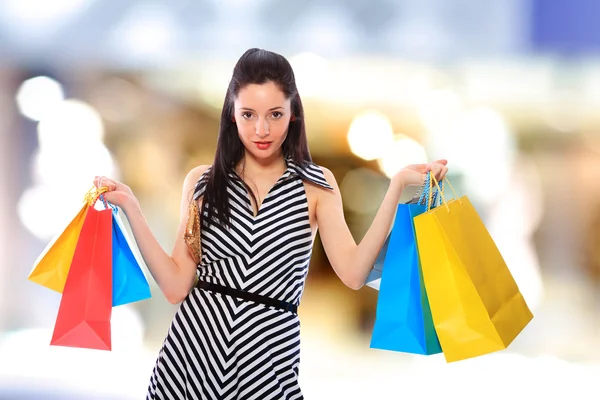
(52, 266)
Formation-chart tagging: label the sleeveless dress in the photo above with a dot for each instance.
(223, 347)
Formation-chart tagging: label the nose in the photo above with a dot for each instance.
(262, 127)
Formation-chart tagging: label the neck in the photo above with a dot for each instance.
(250, 165)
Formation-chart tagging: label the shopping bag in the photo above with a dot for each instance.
(84, 313)
(374, 278)
(129, 282)
(476, 305)
(52, 266)
(403, 320)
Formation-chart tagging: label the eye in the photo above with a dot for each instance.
(277, 114)
(246, 115)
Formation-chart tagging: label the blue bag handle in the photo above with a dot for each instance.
(435, 199)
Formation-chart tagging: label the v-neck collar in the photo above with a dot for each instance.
(289, 171)
(310, 172)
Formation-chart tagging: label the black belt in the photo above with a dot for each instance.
(257, 298)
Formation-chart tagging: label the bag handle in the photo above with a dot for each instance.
(440, 191)
(92, 196)
(425, 193)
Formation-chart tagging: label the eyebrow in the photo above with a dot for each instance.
(270, 109)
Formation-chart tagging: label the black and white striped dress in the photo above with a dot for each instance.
(222, 347)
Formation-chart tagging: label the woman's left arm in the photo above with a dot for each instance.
(351, 262)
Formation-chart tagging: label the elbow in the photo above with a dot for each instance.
(177, 289)
(355, 285)
(350, 276)
(174, 299)
(175, 296)
(354, 281)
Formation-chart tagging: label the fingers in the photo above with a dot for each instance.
(438, 168)
(101, 181)
(439, 163)
(110, 197)
(439, 171)
(443, 173)
(422, 168)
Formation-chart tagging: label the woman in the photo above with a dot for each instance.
(236, 334)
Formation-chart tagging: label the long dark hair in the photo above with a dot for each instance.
(255, 66)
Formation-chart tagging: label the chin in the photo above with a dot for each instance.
(264, 154)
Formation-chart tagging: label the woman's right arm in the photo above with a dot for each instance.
(173, 273)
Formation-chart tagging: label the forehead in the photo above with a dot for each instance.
(257, 97)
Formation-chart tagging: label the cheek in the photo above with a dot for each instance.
(246, 133)
(279, 134)
(279, 130)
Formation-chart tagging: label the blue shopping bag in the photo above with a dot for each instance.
(374, 278)
(129, 282)
(403, 319)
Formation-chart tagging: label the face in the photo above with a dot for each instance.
(262, 115)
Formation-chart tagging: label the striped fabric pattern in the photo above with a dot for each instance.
(221, 347)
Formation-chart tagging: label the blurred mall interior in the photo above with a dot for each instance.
(507, 90)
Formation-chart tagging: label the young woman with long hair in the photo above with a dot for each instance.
(236, 334)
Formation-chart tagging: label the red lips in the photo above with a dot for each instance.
(263, 145)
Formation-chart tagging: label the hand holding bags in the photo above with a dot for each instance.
(93, 265)
(476, 305)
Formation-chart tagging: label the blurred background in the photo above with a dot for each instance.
(506, 90)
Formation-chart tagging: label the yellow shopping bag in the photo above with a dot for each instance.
(476, 305)
(52, 266)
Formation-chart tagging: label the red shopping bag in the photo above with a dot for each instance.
(85, 309)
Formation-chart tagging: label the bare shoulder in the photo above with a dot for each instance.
(192, 178)
(194, 174)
